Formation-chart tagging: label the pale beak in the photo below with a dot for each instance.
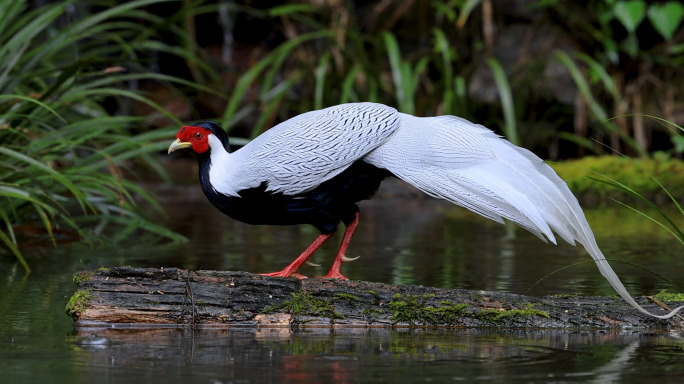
(179, 145)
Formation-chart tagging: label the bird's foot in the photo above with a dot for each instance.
(333, 275)
(284, 273)
(334, 272)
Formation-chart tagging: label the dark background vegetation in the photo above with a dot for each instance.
(91, 92)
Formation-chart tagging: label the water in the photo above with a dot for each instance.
(376, 355)
(402, 239)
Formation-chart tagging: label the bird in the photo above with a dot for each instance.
(313, 169)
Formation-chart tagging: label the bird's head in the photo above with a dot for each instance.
(200, 137)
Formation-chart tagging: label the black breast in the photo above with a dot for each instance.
(323, 207)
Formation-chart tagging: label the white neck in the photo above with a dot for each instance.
(224, 169)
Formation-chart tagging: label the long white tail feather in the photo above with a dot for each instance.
(467, 164)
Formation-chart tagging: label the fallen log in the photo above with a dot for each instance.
(150, 297)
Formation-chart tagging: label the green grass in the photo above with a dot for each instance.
(65, 159)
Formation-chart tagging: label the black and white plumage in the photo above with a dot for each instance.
(313, 168)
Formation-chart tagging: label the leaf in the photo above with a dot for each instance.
(32, 100)
(673, 228)
(666, 17)
(319, 74)
(675, 49)
(273, 59)
(11, 51)
(600, 73)
(395, 63)
(506, 97)
(678, 142)
(78, 194)
(348, 85)
(405, 77)
(579, 141)
(597, 110)
(442, 46)
(630, 13)
(467, 8)
(283, 10)
(630, 44)
(13, 247)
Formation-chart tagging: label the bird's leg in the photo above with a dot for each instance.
(334, 271)
(294, 266)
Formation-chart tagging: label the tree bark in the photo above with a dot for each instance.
(150, 297)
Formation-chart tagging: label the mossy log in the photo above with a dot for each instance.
(147, 297)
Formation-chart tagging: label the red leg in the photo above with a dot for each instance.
(294, 266)
(334, 271)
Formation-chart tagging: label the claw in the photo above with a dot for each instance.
(311, 264)
(348, 259)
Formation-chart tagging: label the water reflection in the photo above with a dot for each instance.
(381, 355)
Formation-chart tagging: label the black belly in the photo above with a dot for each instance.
(323, 207)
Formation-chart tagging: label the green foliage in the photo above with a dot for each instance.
(664, 17)
(621, 174)
(629, 13)
(620, 54)
(330, 64)
(644, 175)
(78, 303)
(82, 277)
(64, 156)
(506, 97)
(669, 296)
(406, 77)
(332, 55)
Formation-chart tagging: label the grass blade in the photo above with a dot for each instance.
(506, 97)
(15, 250)
(679, 235)
(82, 201)
(321, 69)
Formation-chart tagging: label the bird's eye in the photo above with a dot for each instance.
(198, 135)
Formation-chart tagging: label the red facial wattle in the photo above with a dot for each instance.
(198, 137)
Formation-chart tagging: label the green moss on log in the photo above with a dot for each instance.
(413, 310)
(82, 277)
(638, 174)
(77, 303)
(501, 314)
(304, 304)
(669, 296)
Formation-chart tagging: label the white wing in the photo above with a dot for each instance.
(305, 151)
(467, 164)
